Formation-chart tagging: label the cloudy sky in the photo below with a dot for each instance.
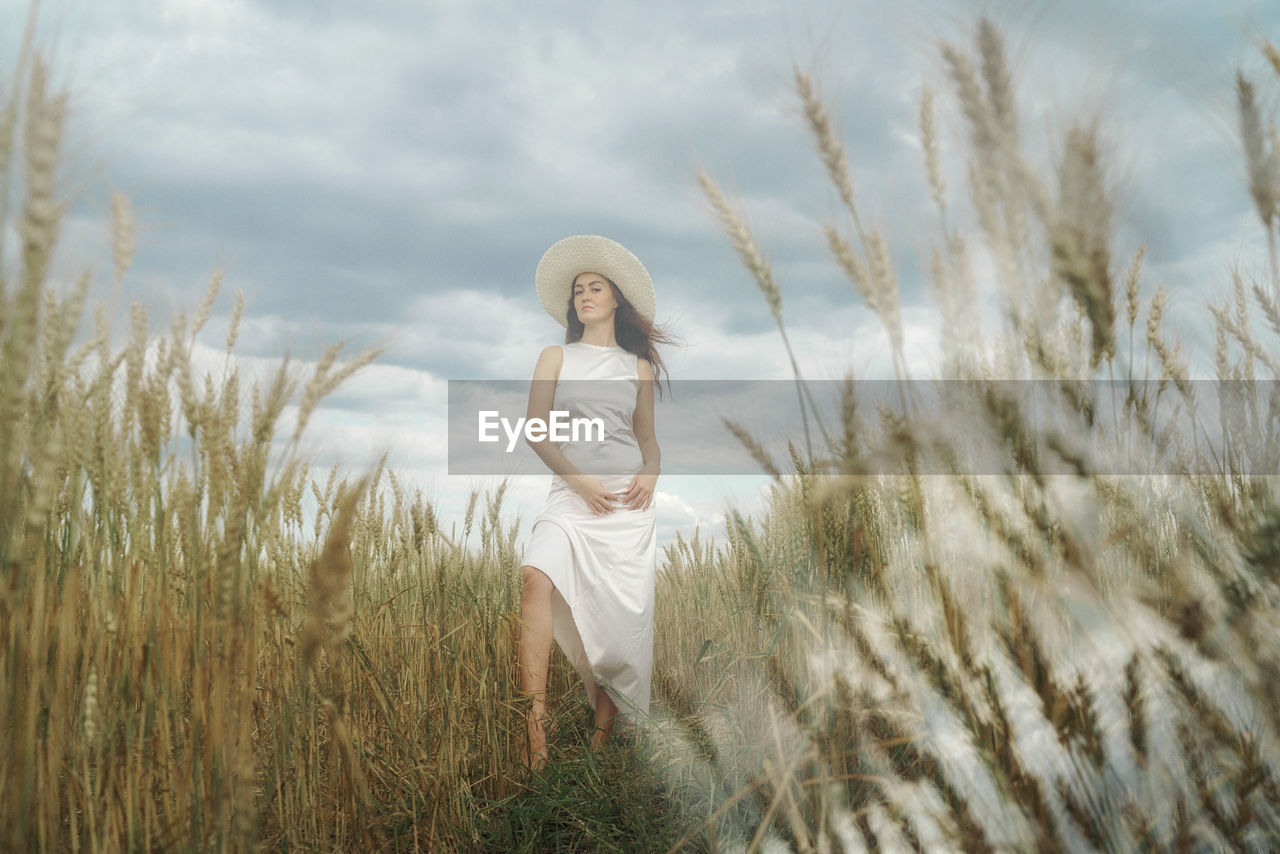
(393, 170)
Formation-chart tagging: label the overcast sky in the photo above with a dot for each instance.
(397, 168)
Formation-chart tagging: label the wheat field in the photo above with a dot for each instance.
(1049, 658)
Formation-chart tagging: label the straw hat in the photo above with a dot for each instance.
(590, 253)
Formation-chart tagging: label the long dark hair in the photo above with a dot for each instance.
(635, 333)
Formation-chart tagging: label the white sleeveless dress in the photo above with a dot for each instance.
(603, 567)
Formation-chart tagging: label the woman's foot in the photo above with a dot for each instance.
(606, 710)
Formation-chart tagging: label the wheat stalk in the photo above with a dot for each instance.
(830, 147)
(932, 156)
(740, 237)
(233, 327)
(1081, 254)
(1262, 161)
(122, 233)
(744, 243)
(998, 80)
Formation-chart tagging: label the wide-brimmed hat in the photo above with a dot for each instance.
(590, 253)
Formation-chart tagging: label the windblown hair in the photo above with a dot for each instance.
(635, 333)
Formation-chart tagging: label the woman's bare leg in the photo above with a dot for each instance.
(606, 710)
(535, 658)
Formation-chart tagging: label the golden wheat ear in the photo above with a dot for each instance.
(331, 607)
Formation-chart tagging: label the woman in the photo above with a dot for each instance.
(588, 573)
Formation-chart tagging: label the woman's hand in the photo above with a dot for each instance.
(599, 499)
(639, 492)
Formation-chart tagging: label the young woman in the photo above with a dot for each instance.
(588, 573)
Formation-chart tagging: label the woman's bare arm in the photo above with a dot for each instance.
(639, 492)
(642, 419)
(542, 395)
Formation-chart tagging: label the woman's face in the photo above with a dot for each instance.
(593, 298)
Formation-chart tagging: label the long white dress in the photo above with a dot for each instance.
(603, 567)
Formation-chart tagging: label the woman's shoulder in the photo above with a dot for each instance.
(644, 370)
(549, 362)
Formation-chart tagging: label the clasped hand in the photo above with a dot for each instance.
(637, 496)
